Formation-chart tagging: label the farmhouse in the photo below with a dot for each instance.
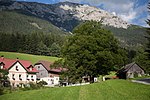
(50, 75)
(20, 71)
(130, 71)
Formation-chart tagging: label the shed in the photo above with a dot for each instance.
(131, 70)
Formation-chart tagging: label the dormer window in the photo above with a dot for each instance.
(30, 68)
(38, 67)
(17, 68)
(1, 66)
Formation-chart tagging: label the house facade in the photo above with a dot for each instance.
(130, 71)
(20, 71)
(46, 73)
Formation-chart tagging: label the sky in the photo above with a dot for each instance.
(132, 11)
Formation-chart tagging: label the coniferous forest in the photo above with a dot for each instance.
(34, 43)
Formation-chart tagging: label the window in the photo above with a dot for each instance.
(17, 68)
(32, 78)
(1, 66)
(20, 77)
(52, 81)
(13, 76)
(27, 77)
(30, 68)
(51, 75)
(38, 67)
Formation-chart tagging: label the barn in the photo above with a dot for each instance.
(131, 70)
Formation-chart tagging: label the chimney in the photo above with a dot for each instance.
(2, 57)
(17, 58)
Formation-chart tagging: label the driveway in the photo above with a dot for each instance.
(144, 81)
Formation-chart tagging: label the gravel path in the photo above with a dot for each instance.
(143, 81)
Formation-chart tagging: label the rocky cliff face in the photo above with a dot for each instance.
(65, 15)
(85, 12)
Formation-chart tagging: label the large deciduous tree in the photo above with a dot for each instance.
(91, 51)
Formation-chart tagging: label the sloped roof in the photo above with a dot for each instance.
(8, 63)
(27, 65)
(47, 65)
(127, 67)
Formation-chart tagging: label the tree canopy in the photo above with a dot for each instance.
(143, 56)
(91, 51)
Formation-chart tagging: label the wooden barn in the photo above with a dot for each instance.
(131, 70)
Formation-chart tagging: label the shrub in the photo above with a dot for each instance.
(1, 90)
(42, 83)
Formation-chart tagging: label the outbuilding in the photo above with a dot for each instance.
(131, 70)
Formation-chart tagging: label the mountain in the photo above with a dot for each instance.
(67, 15)
(15, 22)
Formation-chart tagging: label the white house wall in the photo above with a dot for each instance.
(50, 80)
(56, 80)
(16, 80)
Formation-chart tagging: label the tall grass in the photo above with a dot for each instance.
(108, 90)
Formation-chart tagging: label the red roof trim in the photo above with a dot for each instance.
(15, 63)
(9, 63)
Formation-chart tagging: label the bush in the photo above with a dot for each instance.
(1, 90)
(42, 83)
(33, 86)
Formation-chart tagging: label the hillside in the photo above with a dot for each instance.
(131, 38)
(54, 18)
(32, 58)
(16, 22)
(108, 90)
(65, 15)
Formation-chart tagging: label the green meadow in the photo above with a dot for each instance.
(32, 58)
(108, 90)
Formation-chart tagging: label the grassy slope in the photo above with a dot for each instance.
(32, 58)
(131, 37)
(108, 90)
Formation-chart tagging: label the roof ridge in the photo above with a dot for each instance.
(130, 66)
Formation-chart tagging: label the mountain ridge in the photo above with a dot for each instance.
(65, 12)
(66, 16)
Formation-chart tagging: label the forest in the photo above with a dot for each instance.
(34, 43)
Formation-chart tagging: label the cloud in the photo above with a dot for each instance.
(128, 16)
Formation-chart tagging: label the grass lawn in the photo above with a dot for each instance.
(32, 58)
(108, 90)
